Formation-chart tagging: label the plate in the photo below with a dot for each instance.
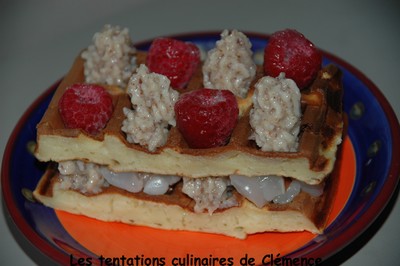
(369, 174)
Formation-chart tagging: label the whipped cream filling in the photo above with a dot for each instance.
(150, 184)
(80, 176)
(209, 194)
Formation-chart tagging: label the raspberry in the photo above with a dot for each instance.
(174, 59)
(290, 52)
(206, 117)
(85, 106)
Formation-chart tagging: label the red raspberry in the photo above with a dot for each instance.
(206, 117)
(290, 52)
(85, 106)
(174, 59)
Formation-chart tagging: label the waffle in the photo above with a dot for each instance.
(175, 210)
(320, 135)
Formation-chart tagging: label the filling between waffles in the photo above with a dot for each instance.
(269, 168)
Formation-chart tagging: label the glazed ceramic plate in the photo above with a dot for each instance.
(369, 169)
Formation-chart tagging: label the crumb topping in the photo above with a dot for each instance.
(276, 113)
(209, 193)
(152, 110)
(230, 65)
(110, 59)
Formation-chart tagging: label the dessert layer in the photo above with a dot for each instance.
(320, 135)
(174, 210)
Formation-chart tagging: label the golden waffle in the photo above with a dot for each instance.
(174, 210)
(321, 133)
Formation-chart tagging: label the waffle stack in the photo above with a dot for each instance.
(319, 139)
